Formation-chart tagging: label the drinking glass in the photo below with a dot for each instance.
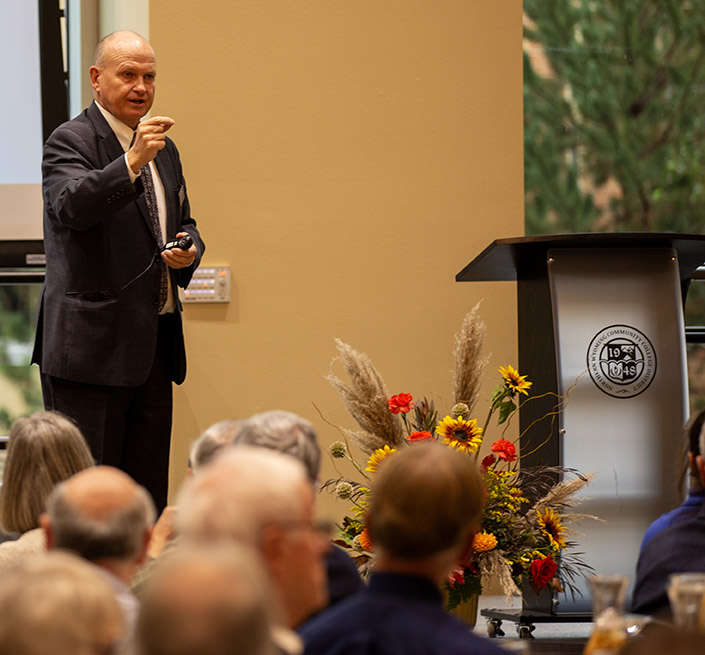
(686, 594)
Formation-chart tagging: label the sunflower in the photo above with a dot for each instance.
(460, 434)
(513, 381)
(484, 541)
(550, 524)
(377, 456)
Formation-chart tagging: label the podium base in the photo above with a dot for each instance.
(525, 620)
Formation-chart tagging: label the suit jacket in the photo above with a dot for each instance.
(98, 313)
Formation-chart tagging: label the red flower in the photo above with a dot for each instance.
(487, 462)
(456, 577)
(541, 572)
(415, 437)
(402, 402)
(505, 450)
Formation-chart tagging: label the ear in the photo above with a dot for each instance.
(700, 463)
(45, 524)
(271, 547)
(94, 73)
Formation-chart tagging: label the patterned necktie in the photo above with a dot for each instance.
(151, 197)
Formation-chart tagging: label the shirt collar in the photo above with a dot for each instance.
(123, 132)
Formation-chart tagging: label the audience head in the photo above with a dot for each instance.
(44, 449)
(212, 441)
(58, 605)
(427, 501)
(285, 432)
(264, 499)
(101, 514)
(211, 600)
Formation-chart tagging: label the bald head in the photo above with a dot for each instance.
(100, 513)
(98, 492)
(121, 41)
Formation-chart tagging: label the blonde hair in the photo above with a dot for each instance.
(44, 449)
(58, 604)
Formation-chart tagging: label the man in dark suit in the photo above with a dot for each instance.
(109, 339)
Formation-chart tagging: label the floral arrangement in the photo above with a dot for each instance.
(525, 522)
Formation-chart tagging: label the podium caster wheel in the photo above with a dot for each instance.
(494, 628)
(525, 631)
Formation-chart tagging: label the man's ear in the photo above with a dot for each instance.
(94, 73)
(271, 545)
(45, 524)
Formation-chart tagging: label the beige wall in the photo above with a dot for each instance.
(346, 158)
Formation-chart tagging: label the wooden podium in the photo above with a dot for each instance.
(600, 321)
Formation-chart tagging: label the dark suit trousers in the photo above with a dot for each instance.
(126, 427)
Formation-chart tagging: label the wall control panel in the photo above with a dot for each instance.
(208, 284)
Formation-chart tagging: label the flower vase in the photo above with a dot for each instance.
(466, 611)
(542, 602)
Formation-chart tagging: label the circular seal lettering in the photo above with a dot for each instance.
(621, 361)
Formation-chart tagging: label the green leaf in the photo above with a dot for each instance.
(459, 593)
(506, 409)
(497, 393)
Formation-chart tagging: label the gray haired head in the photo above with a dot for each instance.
(284, 432)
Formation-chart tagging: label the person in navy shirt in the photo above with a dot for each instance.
(426, 507)
(680, 548)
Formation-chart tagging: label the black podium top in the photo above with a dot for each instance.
(505, 259)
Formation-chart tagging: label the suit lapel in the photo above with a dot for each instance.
(112, 146)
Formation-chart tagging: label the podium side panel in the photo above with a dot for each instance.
(620, 347)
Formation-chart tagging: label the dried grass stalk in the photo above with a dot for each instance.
(365, 397)
(469, 362)
(562, 494)
(493, 566)
(365, 441)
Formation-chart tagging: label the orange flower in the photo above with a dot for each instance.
(366, 541)
(424, 435)
(401, 403)
(484, 541)
(505, 450)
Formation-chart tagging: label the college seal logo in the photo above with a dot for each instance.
(621, 361)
